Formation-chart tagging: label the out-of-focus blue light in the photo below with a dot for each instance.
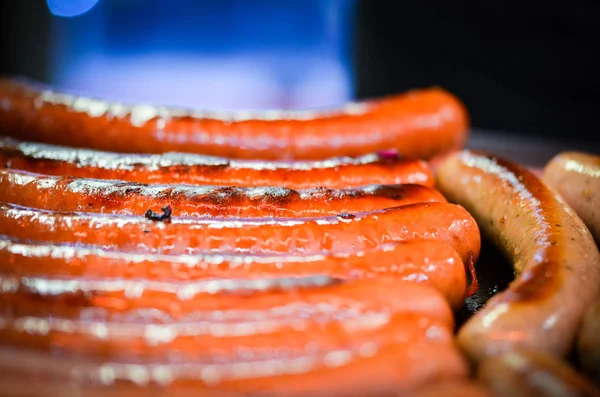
(225, 54)
(70, 8)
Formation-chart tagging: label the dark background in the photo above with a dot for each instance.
(528, 67)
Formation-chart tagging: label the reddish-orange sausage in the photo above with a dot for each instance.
(430, 221)
(333, 173)
(430, 262)
(394, 336)
(92, 195)
(420, 123)
(326, 320)
(555, 258)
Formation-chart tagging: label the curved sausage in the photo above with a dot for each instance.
(427, 221)
(420, 123)
(113, 197)
(524, 374)
(365, 337)
(430, 262)
(576, 177)
(555, 259)
(589, 343)
(181, 168)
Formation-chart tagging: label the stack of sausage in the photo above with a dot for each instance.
(178, 274)
(301, 265)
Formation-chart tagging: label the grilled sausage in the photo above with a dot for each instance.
(181, 168)
(576, 177)
(90, 195)
(555, 259)
(427, 221)
(420, 123)
(430, 262)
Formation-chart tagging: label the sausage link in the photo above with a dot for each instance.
(227, 334)
(556, 262)
(576, 177)
(114, 197)
(430, 262)
(420, 123)
(525, 374)
(589, 343)
(426, 221)
(182, 168)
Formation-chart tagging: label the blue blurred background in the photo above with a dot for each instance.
(216, 54)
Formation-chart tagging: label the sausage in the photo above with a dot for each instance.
(379, 335)
(588, 344)
(556, 262)
(425, 221)
(419, 123)
(181, 168)
(91, 195)
(453, 388)
(328, 321)
(533, 374)
(430, 262)
(576, 177)
(395, 370)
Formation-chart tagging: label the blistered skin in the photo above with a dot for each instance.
(369, 336)
(526, 374)
(429, 262)
(556, 261)
(426, 221)
(576, 177)
(104, 196)
(420, 123)
(181, 168)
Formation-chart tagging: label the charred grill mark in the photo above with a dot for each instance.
(164, 217)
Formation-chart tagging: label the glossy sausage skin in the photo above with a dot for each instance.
(270, 330)
(181, 168)
(525, 374)
(118, 197)
(429, 262)
(420, 123)
(588, 344)
(426, 221)
(556, 262)
(576, 177)
(377, 336)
